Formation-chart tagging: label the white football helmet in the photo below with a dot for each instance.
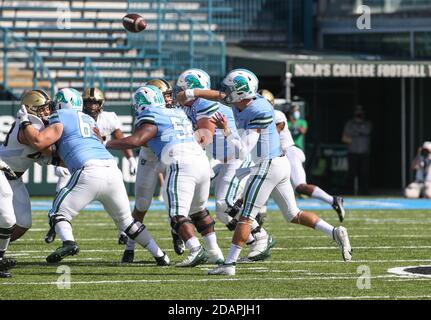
(68, 98)
(148, 96)
(194, 79)
(240, 84)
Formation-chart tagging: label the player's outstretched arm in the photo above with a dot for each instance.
(142, 135)
(118, 134)
(190, 94)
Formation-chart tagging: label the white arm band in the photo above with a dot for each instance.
(190, 94)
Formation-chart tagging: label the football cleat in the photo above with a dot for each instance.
(128, 256)
(260, 249)
(342, 239)
(338, 206)
(122, 239)
(179, 246)
(163, 260)
(69, 248)
(224, 270)
(194, 258)
(215, 257)
(5, 265)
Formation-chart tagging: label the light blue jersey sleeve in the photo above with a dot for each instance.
(54, 118)
(205, 108)
(144, 117)
(260, 119)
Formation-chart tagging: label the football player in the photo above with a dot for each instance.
(7, 219)
(271, 174)
(95, 175)
(17, 152)
(108, 125)
(296, 158)
(169, 134)
(201, 112)
(149, 171)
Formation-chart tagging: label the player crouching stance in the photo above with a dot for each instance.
(169, 134)
(95, 175)
(271, 175)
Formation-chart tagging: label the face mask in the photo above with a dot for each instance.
(297, 115)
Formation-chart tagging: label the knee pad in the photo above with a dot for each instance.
(178, 221)
(134, 229)
(56, 218)
(202, 220)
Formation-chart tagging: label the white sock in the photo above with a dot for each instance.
(154, 249)
(64, 231)
(325, 227)
(130, 245)
(144, 239)
(211, 241)
(193, 244)
(233, 254)
(322, 195)
(4, 243)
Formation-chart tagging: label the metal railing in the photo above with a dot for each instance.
(32, 61)
(185, 44)
(92, 76)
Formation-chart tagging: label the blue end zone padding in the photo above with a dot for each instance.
(304, 204)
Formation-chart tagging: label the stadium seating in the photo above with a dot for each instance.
(180, 34)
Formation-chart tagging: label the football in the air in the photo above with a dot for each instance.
(133, 22)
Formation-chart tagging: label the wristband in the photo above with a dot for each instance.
(190, 94)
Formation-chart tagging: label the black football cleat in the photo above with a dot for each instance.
(338, 206)
(69, 248)
(179, 246)
(128, 256)
(5, 265)
(163, 260)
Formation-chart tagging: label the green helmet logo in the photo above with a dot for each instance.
(193, 82)
(74, 101)
(141, 100)
(241, 84)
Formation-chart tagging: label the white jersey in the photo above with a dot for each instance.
(18, 156)
(286, 139)
(107, 122)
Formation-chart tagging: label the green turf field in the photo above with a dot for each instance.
(304, 263)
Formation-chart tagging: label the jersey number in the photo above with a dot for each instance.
(182, 128)
(85, 125)
(5, 143)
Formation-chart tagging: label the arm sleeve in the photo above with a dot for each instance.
(260, 121)
(54, 118)
(206, 110)
(145, 117)
(246, 143)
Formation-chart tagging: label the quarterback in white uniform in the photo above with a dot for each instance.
(271, 175)
(20, 156)
(108, 125)
(296, 158)
(226, 185)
